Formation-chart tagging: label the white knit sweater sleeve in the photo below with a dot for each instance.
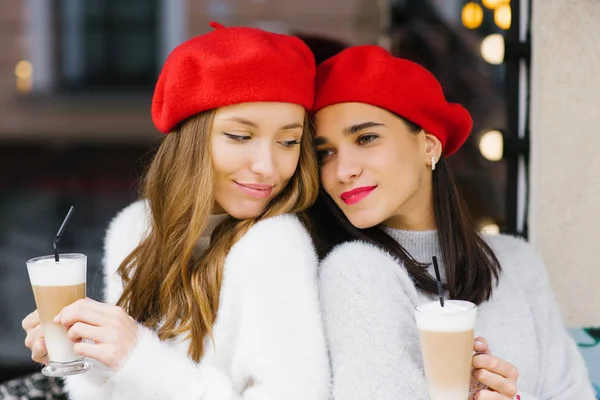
(370, 326)
(124, 233)
(564, 375)
(280, 350)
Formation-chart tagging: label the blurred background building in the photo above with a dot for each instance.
(76, 80)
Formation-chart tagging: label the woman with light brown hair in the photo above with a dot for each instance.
(210, 278)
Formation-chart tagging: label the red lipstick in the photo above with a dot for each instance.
(355, 195)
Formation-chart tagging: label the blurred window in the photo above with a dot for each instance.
(107, 44)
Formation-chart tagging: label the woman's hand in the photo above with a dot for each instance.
(499, 376)
(113, 331)
(35, 338)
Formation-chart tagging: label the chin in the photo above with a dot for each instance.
(363, 221)
(245, 212)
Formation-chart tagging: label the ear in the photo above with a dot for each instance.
(433, 148)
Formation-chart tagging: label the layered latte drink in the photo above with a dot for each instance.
(446, 335)
(55, 286)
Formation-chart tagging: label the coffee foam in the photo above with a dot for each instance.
(455, 316)
(47, 272)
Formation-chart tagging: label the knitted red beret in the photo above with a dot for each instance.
(231, 66)
(369, 74)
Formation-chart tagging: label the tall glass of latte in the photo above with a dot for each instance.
(56, 284)
(446, 335)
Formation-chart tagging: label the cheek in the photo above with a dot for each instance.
(327, 174)
(287, 163)
(394, 168)
(402, 177)
(226, 159)
(224, 171)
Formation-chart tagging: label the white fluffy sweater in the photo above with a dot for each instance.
(368, 303)
(268, 337)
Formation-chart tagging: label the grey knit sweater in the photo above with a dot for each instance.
(368, 305)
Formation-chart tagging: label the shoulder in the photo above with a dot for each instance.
(355, 256)
(280, 242)
(360, 263)
(280, 229)
(512, 246)
(129, 225)
(516, 255)
(504, 242)
(124, 233)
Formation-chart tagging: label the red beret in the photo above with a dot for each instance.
(231, 66)
(371, 75)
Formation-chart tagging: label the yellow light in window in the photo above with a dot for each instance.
(492, 4)
(503, 16)
(490, 229)
(491, 145)
(24, 70)
(472, 15)
(492, 49)
(24, 85)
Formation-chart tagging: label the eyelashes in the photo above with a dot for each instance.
(245, 138)
(237, 138)
(290, 143)
(363, 140)
(367, 138)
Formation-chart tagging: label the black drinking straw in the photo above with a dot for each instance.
(60, 232)
(439, 281)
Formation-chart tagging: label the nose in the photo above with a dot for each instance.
(263, 160)
(348, 166)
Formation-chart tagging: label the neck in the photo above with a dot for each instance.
(204, 240)
(213, 221)
(422, 246)
(416, 214)
(217, 209)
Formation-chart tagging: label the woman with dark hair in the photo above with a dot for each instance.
(383, 133)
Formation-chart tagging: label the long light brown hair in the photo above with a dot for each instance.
(166, 286)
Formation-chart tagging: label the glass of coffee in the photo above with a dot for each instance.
(446, 336)
(57, 284)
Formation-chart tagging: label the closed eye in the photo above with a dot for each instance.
(237, 138)
(290, 143)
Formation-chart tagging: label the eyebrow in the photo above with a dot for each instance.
(352, 129)
(349, 130)
(292, 126)
(244, 121)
